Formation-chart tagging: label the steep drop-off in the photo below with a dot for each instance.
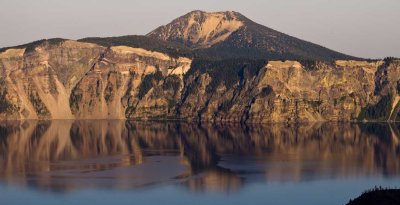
(65, 79)
(70, 79)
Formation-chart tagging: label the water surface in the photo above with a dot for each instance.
(122, 162)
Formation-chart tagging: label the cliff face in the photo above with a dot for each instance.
(129, 82)
(291, 91)
(37, 83)
(81, 80)
(199, 29)
(75, 80)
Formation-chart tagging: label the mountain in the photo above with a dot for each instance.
(195, 76)
(232, 35)
(199, 29)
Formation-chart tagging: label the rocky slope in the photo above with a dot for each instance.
(232, 35)
(70, 79)
(291, 91)
(199, 29)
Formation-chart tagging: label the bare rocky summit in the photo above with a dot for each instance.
(200, 29)
(232, 35)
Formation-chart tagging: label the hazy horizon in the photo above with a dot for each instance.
(362, 28)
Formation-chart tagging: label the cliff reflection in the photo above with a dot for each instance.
(66, 155)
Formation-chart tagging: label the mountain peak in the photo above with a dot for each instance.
(200, 29)
(201, 12)
(229, 34)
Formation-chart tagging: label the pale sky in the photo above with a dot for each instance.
(363, 28)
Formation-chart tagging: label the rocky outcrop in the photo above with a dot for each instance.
(71, 79)
(292, 91)
(38, 81)
(75, 80)
(200, 29)
(128, 82)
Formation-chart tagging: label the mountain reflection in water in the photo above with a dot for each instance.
(69, 155)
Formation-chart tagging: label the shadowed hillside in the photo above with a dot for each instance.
(378, 197)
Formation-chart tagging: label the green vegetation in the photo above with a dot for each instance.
(378, 195)
(172, 82)
(255, 41)
(5, 105)
(389, 60)
(38, 104)
(30, 47)
(75, 98)
(225, 106)
(148, 82)
(228, 72)
(382, 78)
(252, 41)
(378, 112)
(52, 84)
(266, 91)
(172, 49)
(315, 104)
(129, 110)
(98, 89)
(108, 94)
(337, 101)
(309, 65)
(283, 47)
(113, 80)
(312, 65)
(171, 103)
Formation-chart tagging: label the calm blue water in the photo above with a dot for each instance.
(119, 162)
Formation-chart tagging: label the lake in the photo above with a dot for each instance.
(123, 162)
